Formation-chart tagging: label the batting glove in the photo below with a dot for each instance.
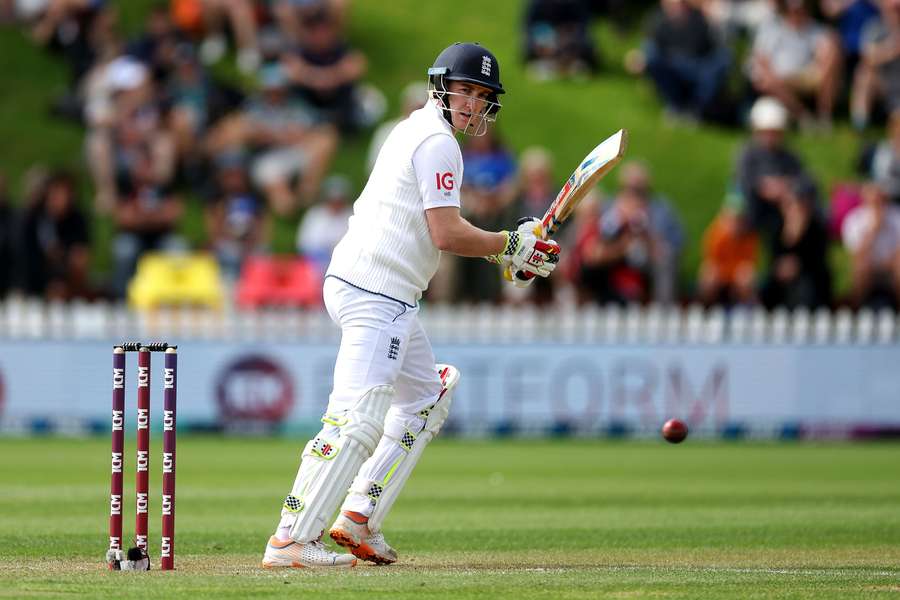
(527, 253)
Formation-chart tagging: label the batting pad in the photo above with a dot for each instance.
(331, 460)
(384, 493)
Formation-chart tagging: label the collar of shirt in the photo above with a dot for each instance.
(431, 109)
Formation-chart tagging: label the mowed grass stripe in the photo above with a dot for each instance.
(522, 519)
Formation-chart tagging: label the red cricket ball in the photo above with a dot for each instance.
(674, 431)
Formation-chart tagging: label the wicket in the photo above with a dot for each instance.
(142, 470)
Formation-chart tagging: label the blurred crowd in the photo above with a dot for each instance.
(161, 130)
(767, 67)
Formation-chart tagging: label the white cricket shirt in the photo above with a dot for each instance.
(387, 248)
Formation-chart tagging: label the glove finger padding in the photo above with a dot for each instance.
(536, 256)
(526, 255)
(517, 280)
(531, 225)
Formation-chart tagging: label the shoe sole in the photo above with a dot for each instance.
(360, 550)
(299, 565)
(293, 565)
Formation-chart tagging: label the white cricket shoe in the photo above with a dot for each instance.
(351, 530)
(296, 555)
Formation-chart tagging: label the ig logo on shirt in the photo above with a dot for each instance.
(444, 181)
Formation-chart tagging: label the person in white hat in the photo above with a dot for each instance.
(765, 165)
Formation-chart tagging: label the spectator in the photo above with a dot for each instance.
(686, 62)
(189, 92)
(187, 16)
(196, 101)
(77, 29)
(146, 216)
(413, 98)
(14, 12)
(131, 122)
(536, 190)
(290, 15)
(272, 44)
(885, 164)
(728, 265)
(871, 234)
(536, 186)
(83, 42)
(325, 223)
(156, 46)
(878, 75)
(851, 18)
(326, 71)
(582, 234)
(845, 196)
(798, 266)
(486, 197)
(241, 18)
(491, 165)
(113, 79)
(635, 176)
(287, 15)
(8, 230)
(765, 165)
(558, 40)
(794, 57)
(34, 182)
(237, 223)
(618, 263)
(733, 18)
(143, 129)
(55, 246)
(293, 149)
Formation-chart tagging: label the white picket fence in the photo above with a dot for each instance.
(31, 319)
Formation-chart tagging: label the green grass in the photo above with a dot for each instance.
(401, 38)
(514, 519)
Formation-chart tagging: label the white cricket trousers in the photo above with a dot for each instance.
(382, 342)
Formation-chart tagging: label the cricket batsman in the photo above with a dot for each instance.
(389, 398)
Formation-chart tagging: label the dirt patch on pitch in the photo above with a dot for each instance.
(863, 563)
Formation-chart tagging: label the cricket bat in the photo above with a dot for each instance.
(595, 165)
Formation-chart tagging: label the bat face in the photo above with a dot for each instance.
(595, 165)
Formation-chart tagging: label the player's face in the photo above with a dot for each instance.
(770, 138)
(468, 102)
